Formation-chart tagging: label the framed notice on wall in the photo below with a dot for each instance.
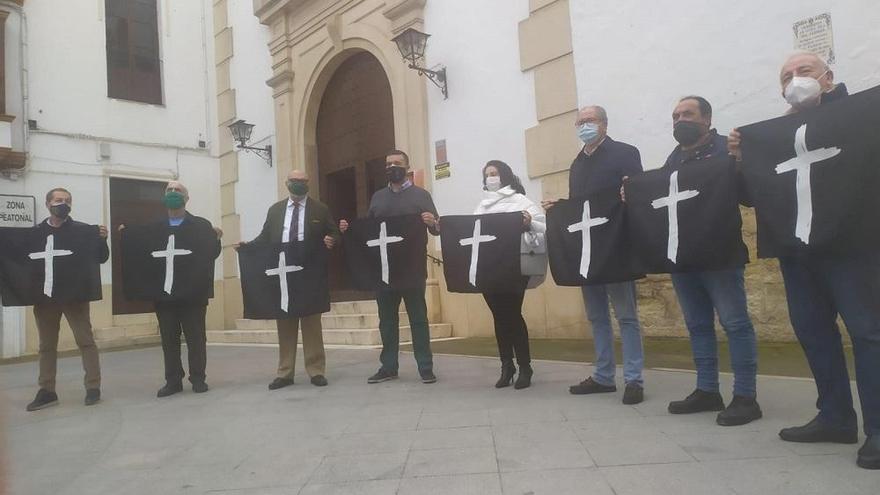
(17, 211)
(814, 34)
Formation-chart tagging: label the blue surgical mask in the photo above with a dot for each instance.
(588, 133)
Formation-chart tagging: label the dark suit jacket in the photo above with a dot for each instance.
(318, 223)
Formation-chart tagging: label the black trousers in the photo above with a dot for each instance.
(190, 319)
(510, 326)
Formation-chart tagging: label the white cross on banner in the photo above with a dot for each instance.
(585, 226)
(671, 202)
(802, 164)
(281, 272)
(475, 242)
(382, 242)
(169, 254)
(48, 256)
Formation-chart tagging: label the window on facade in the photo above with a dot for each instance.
(133, 65)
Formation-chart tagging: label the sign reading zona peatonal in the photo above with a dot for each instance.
(17, 211)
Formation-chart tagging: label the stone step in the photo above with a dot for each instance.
(127, 331)
(367, 336)
(354, 308)
(329, 321)
(116, 342)
(134, 319)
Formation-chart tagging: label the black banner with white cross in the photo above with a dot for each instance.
(814, 178)
(280, 281)
(686, 219)
(588, 241)
(388, 252)
(164, 263)
(481, 253)
(43, 265)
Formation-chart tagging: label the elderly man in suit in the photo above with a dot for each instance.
(300, 218)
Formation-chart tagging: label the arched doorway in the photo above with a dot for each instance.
(355, 128)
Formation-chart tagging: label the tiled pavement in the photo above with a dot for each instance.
(459, 435)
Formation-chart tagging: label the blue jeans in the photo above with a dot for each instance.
(623, 298)
(700, 295)
(818, 290)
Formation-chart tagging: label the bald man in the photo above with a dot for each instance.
(300, 219)
(185, 316)
(819, 288)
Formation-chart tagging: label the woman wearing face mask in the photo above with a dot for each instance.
(504, 194)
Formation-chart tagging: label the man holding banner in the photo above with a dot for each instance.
(402, 198)
(304, 225)
(602, 165)
(172, 264)
(814, 178)
(55, 267)
(718, 289)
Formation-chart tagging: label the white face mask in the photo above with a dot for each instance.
(803, 92)
(493, 183)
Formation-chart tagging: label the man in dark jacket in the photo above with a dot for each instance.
(402, 197)
(186, 316)
(819, 288)
(48, 315)
(300, 219)
(702, 294)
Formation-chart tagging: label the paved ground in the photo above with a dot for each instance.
(459, 435)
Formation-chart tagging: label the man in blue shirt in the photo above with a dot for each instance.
(702, 294)
(603, 164)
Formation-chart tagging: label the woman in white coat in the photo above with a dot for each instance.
(504, 193)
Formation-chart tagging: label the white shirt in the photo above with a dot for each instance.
(288, 216)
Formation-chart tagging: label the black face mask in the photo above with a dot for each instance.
(60, 211)
(687, 133)
(395, 175)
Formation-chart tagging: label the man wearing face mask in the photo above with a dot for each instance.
(402, 197)
(185, 316)
(48, 316)
(602, 164)
(819, 288)
(702, 294)
(301, 219)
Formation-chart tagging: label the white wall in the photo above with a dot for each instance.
(638, 58)
(491, 101)
(251, 67)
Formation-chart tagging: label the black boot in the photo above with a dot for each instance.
(507, 372)
(524, 380)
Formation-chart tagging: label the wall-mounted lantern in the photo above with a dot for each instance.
(411, 44)
(241, 132)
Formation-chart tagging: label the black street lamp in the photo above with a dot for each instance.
(411, 44)
(241, 132)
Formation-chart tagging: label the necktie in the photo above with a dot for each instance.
(294, 223)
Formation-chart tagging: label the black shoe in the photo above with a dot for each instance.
(43, 400)
(93, 396)
(524, 380)
(508, 370)
(428, 376)
(633, 394)
(815, 431)
(698, 401)
(200, 387)
(319, 381)
(869, 454)
(280, 383)
(169, 389)
(382, 375)
(742, 410)
(589, 386)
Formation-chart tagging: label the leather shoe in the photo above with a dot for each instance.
(869, 454)
(280, 383)
(169, 389)
(633, 394)
(200, 387)
(319, 381)
(590, 386)
(698, 401)
(815, 431)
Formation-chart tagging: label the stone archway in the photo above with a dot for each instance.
(353, 131)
